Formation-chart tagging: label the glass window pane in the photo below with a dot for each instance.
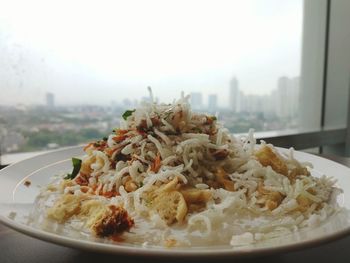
(338, 74)
(70, 68)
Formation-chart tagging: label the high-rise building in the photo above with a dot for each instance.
(252, 103)
(273, 102)
(196, 100)
(287, 99)
(282, 93)
(241, 102)
(295, 91)
(50, 100)
(234, 95)
(212, 102)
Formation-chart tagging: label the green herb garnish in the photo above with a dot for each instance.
(127, 113)
(213, 118)
(76, 168)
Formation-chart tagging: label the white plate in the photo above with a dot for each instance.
(18, 198)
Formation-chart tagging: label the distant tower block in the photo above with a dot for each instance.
(213, 102)
(234, 95)
(50, 100)
(287, 88)
(196, 100)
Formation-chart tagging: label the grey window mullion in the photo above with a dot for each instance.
(325, 69)
(347, 138)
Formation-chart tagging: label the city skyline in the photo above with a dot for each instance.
(239, 101)
(283, 100)
(52, 125)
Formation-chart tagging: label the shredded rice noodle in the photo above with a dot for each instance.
(182, 176)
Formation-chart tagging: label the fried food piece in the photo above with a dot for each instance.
(274, 199)
(196, 199)
(268, 158)
(178, 120)
(196, 196)
(130, 185)
(294, 173)
(304, 203)
(269, 199)
(114, 221)
(223, 180)
(65, 207)
(86, 165)
(172, 185)
(101, 219)
(171, 206)
(170, 243)
(220, 154)
(169, 202)
(93, 210)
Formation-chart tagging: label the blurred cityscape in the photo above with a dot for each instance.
(50, 126)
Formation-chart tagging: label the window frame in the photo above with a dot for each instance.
(337, 139)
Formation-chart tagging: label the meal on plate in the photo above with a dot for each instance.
(172, 177)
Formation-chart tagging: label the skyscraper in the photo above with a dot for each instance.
(234, 95)
(287, 99)
(196, 100)
(212, 102)
(295, 91)
(282, 95)
(50, 100)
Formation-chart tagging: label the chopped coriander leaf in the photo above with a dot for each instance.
(105, 138)
(127, 113)
(76, 168)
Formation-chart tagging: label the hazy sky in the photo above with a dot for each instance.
(99, 51)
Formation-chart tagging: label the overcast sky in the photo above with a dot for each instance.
(99, 51)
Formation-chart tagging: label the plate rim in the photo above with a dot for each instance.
(196, 252)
